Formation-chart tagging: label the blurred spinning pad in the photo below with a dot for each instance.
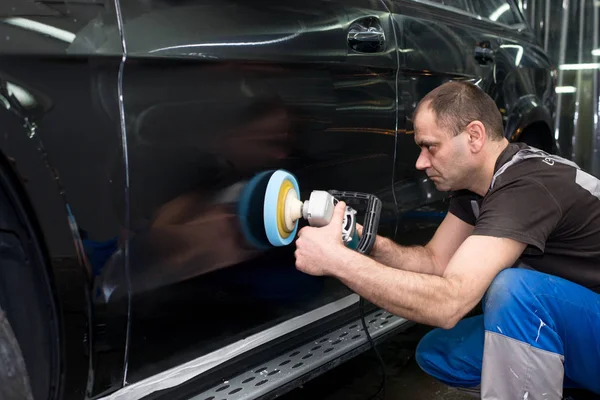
(281, 185)
(261, 209)
(251, 210)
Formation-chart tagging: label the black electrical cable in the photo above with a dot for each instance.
(373, 210)
(381, 390)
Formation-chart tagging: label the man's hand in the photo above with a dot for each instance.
(318, 249)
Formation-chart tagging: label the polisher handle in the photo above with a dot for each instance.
(372, 214)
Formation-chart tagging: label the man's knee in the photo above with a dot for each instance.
(428, 352)
(453, 356)
(508, 287)
(426, 347)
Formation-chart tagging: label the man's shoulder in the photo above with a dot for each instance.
(533, 165)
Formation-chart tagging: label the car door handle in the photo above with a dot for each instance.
(366, 36)
(483, 52)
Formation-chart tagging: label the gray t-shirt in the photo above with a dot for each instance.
(546, 202)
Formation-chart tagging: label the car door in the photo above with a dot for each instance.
(439, 40)
(213, 93)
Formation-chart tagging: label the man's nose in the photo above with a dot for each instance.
(423, 161)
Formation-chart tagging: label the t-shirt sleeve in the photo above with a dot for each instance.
(522, 210)
(460, 206)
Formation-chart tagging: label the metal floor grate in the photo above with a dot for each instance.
(283, 369)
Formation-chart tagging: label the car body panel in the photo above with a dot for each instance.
(213, 94)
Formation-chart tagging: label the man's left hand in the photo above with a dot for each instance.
(318, 249)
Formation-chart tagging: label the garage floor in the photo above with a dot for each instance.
(359, 378)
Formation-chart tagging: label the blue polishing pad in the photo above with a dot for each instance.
(250, 210)
(270, 207)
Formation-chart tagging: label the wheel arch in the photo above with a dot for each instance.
(529, 121)
(538, 134)
(35, 284)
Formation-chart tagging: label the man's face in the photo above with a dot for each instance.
(444, 157)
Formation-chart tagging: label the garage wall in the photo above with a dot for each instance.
(568, 30)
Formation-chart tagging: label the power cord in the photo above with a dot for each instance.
(366, 243)
(381, 390)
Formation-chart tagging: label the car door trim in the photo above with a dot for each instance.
(184, 372)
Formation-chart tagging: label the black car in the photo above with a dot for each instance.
(127, 129)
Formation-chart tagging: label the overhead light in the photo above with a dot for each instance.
(566, 89)
(596, 52)
(573, 67)
(39, 27)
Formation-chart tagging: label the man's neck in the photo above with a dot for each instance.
(483, 177)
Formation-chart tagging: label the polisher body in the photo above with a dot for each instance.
(318, 211)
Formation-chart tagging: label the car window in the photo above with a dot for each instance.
(496, 10)
(458, 4)
(500, 11)
(461, 5)
(59, 26)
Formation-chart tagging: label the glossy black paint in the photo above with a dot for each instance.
(329, 121)
(46, 162)
(136, 195)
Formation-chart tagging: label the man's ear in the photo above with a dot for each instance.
(476, 135)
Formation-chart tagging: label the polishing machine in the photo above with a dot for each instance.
(270, 208)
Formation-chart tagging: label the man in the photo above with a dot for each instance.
(512, 204)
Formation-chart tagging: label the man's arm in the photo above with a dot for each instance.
(434, 300)
(429, 259)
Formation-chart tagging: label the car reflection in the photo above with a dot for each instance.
(197, 231)
(190, 155)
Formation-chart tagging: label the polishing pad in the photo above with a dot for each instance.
(281, 185)
(250, 210)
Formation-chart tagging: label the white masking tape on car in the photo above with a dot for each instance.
(184, 372)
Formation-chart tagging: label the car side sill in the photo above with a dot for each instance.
(270, 379)
(184, 372)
